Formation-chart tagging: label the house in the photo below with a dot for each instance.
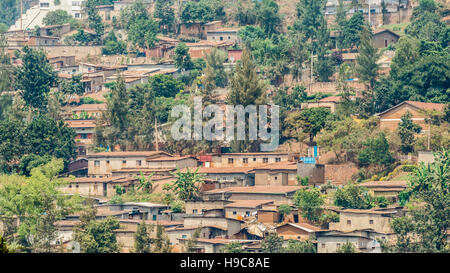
(244, 208)
(224, 34)
(102, 164)
(43, 40)
(199, 30)
(54, 30)
(89, 110)
(200, 206)
(390, 118)
(214, 245)
(279, 194)
(276, 174)
(234, 160)
(366, 240)
(329, 102)
(84, 130)
(151, 211)
(106, 12)
(382, 38)
(175, 162)
(164, 48)
(356, 219)
(202, 48)
(297, 231)
(228, 177)
(229, 225)
(234, 55)
(96, 186)
(314, 172)
(388, 189)
(59, 62)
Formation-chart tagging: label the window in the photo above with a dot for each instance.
(76, 186)
(77, 15)
(371, 222)
(184, 236)
(234, 212)
(70, 186)
(254, 159)
(84, 136)
(323, 245)
(230, 160)
(154, 217)
(245, 160)
(221, 38)
(107, 162)
(338, 245)
(265, 160)
(194, 211)
(45, 5)
(278, 159)
(349, 222)
(96, 163)
(138, 162)
(124, 162)
(276, 177)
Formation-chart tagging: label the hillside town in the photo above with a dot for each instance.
(114, 138)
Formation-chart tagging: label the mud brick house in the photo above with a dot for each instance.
(91, 110)
(244, 208)
(228, 177)
(276, 174)
(245, 159)
(102, 164)
(384, 37)
(199, 30)
(279, 194)
(96, 186)
(214, 245)
(296, 231)
(224, 34)
(200, 206)
(388, 189)
(54, 30)
(329, 102)
(84, 129)
(365, 240)
(390, 118)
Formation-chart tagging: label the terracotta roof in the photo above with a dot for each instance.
(221, 170)
(278, 166)
(303, 226)
(258, 153)
(93, 179)
(420, 105)
(169, 158)
(247, 203)
(378, 31)
(367, 211)
(80, 123)
(125, 154)
(90, 107)
(256, 189)
(384, 184)
(224, 30)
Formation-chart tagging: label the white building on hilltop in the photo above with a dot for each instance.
(35, 15)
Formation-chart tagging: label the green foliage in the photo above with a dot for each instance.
(406, 130)
(424, 230)
(351, 196)
(3, 246)
(97, 236)
(161, 244)
(113, 45)
(35, 77)
(72, 86)
(267, 16)
(37, 204)
(29, 162)
(203, 11)
(309, 202)
(284, 210)
(295, 246)
(182, 58)
(346, 248)
(272, 243)
(376, 152)
(142, 238)
(188, 184)
(9, 11)
(166, 14)
(311, 121)
(57, 17)
(94, 20)
(165, 85)
(145, 183)
(233, 247)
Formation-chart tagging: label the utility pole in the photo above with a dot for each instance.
(311, 76)
(21, 13)
(429, 134)
(370, 24)
(156, 135)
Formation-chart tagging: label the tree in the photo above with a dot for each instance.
(166, 14)
(187, 186)
(295, 246)
(37, 204)
(57, 17)
(352, 196)
(309, 201)
(142, 239)
(246, 89)
(165, 85)
(349, 36)
(284, 210)
(35, 77)
(272, 243)
(113, 124)
(3, 246)
(162, 243)
(376, 152)
(189, 245)
(94, 20)
(113, 45)
(97, 236)
(215, 69)
(424, 229)
(145, 183)
(367, 69)
(182, 58)
(72, 86)
(312, 121)
(233, 247)
(9, 12)
(346, 248)
(143, 31)
(267, 16)
(406, 130)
